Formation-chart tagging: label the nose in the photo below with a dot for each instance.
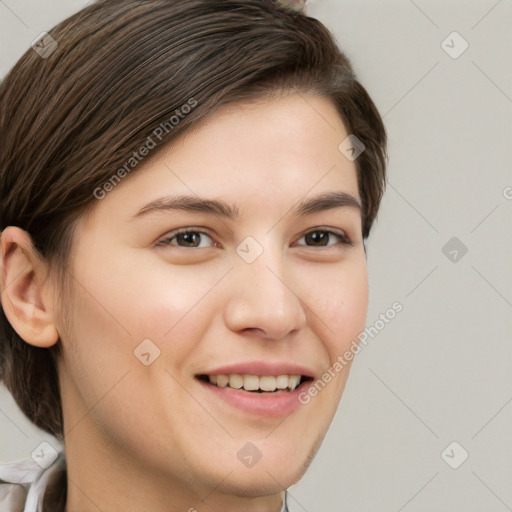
(264, 301)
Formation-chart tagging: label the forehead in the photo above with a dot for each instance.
(255, 154)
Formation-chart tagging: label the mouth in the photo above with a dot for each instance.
(263, 390)
(256, 384)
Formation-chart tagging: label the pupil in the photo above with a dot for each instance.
(188, 238)
(318, 236)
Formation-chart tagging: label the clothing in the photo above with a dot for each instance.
(284, 508)
(25, 486)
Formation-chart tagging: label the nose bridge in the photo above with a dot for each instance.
(263, 299)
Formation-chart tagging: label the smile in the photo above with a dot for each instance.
(255, 383)
(260, 396)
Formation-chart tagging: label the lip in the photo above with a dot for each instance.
(261, 368)
(262, 405)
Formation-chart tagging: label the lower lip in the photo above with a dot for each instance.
(269, 405)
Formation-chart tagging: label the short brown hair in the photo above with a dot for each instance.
(122, 68)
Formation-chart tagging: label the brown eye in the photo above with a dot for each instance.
(189, 239)
(317, 238)
(324, 238)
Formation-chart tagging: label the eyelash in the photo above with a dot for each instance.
(343, 239)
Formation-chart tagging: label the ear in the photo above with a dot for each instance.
(27, 296)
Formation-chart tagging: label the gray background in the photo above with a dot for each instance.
(440, 371)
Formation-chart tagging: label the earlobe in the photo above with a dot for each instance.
(26, 294)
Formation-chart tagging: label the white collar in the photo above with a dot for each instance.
(284, 508)
(24, 482)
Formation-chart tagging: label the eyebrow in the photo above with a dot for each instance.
(220, 208)
(327, 201)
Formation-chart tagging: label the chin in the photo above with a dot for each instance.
(255, 483)
(270, 475)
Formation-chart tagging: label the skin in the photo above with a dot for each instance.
(171, 445)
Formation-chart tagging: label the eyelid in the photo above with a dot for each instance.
(344, 238)
(165, 239)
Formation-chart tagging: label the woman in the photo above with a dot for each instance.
(186, 190)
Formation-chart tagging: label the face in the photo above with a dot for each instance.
(254, 276)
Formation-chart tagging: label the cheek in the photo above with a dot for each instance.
(134, 300)
(171, 305)
(341, 303)
(109, 319)
(98, 344)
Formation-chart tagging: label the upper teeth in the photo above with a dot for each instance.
(254, 383)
